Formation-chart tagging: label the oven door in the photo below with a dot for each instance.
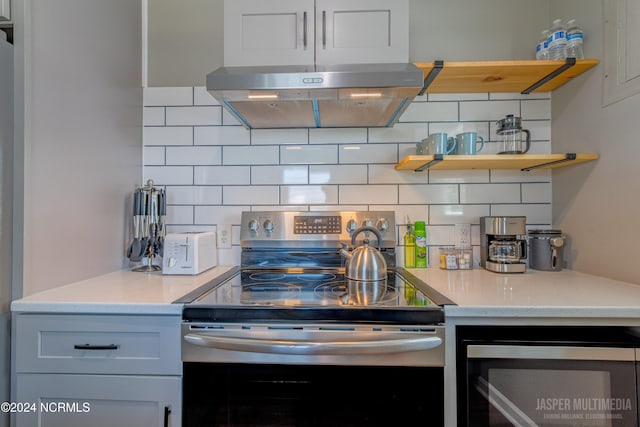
(312, 375)
(547, 375)
(527, 385)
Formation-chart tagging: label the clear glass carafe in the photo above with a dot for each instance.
(505, 251)
(511, 136)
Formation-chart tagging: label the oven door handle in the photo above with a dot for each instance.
(295, 347)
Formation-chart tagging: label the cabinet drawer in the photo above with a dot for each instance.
(104, 344)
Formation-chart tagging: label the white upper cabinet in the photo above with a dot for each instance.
(362, 31)
(5, 10)
(304, 32)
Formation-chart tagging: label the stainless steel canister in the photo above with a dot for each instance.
(546, 250)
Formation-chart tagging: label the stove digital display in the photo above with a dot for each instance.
(317, 225)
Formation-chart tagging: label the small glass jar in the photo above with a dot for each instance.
(465, 258)
(452, 258)
(448, 258)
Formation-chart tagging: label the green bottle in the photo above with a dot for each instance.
(409, 248)
(421, 244)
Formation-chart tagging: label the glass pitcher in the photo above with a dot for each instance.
(511, 138)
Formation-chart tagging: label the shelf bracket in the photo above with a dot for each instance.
(570, 62)
(437, 158)
(437, 67)
(567, 158)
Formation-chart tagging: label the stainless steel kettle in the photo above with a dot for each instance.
(365, 262)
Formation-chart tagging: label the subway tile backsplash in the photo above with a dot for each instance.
(213, 168)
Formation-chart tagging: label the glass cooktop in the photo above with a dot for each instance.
(308, 294)
(312, 288)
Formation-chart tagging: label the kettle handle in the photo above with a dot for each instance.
(372, 229)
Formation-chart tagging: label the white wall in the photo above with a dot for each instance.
(597, 204)
(185, 41)
(82, 118)
(463, 30)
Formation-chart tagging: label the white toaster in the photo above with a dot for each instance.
(189, 253)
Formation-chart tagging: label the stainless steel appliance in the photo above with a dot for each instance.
(271, 341)
(548, 376)
(360, 95)
(365, 264)
(546, 250)
(503, 244)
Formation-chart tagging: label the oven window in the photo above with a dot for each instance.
(507, 392)
(285, 395)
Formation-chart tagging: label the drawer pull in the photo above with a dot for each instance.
(96, 347)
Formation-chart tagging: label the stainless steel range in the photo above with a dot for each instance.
(289, 316)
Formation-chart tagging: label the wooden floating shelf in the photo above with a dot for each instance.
(524, 162)
(501, 76)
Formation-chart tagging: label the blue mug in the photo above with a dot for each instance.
(467, 143)
(440, 143)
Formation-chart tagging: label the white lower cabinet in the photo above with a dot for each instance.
(97, 370)
(67, 400)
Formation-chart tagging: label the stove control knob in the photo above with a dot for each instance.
(268, 225)
(254, 225)
(367, 223)
(382, 225)
(352, 226)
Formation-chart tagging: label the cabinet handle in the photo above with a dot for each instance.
(167, 411)
(304, 30)
(324, 29)
(96, 347)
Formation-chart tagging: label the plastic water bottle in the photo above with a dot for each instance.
(557, 41)
(542, 48)
(575, 38)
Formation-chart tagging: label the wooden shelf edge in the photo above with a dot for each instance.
(523, 162)
(522, 76)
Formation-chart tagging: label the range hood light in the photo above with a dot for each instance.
(367, 95)
(263, 96)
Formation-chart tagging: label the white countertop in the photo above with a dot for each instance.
(476, 293)
(534, 293)
(120, 292)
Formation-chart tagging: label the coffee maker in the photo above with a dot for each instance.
(503, 243)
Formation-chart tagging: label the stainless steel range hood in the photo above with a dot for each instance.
(359, 95)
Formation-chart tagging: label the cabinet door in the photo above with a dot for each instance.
(273, 32)
(98, 401)
(621, 55)
(5, 10)
(362, 31)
